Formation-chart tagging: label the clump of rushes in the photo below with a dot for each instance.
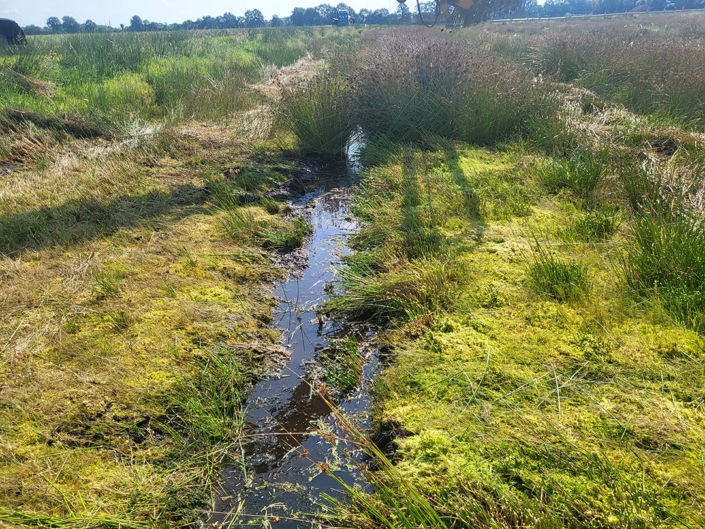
(244, 224)
(342, 364)
(412, 86)
(643, 185)
(580, 173)
(423, 286)
(549, 275)
(593, 226)
(208, 405)
(318, 114)
(260, 225)
(665, 257)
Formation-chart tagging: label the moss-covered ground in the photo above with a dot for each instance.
(121, 286)
(509, 406)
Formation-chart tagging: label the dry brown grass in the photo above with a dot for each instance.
(274, 79)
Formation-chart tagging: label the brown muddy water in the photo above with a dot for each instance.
(279, 479)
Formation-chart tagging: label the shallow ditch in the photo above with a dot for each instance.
(285, 459)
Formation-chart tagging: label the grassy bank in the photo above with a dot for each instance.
(134, 320)
(525, 387)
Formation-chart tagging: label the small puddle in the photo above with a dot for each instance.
(282, 474)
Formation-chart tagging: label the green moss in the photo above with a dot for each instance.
(520, 410)
(104, 338)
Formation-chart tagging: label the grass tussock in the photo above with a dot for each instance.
(209, 399)
(580, 173)
(413, 85)
(422, 287)
(595, 225)
(318, 112)
(664, 259)
(560, 280)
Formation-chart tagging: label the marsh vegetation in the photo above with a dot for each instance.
(531, 253)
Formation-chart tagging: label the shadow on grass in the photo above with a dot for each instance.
(81, 220)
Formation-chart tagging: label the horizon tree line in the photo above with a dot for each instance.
(323, 15)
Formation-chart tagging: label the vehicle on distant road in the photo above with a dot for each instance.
(344, 18)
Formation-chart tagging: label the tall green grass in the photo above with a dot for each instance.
(318, 112)
(665, 258)
(560, 280)
(120, 78)
(580, 173)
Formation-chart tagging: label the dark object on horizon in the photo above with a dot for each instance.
(12, 31)
(468, 12)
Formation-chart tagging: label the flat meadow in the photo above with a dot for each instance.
(531, 257)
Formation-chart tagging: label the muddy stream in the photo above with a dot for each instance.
(283, 452)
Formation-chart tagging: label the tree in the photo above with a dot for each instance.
(136, 24)
(54, 25)
(89, 26)
(311, 17)
(230, 20)
(254, 18)
(379, 16)
(298, 16)
(404, 14)
(208, 23)
(70, 25)
(276, 22)
(33, 30)
(326, 14)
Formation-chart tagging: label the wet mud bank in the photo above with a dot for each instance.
(285, 463)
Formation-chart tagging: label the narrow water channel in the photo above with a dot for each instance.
(282, 474)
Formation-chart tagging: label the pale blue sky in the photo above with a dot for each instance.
(118, 12)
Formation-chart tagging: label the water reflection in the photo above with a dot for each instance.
(281, 474)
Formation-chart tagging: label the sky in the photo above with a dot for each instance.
(117, 12)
